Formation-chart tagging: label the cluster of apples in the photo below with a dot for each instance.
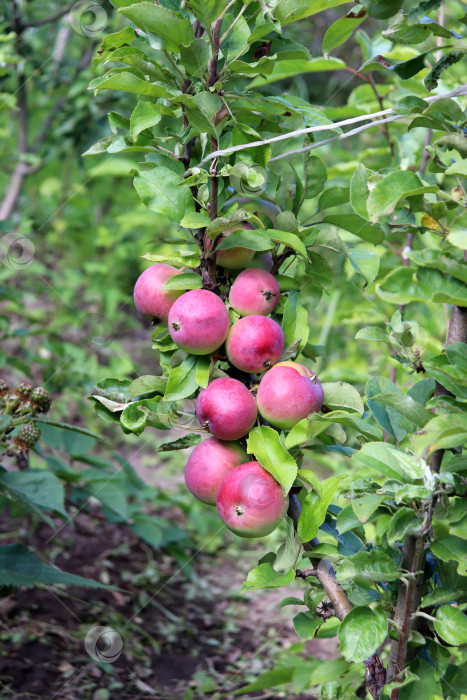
(249, 500)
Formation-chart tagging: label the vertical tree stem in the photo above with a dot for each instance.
(413, 552)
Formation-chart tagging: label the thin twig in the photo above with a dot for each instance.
(47, 20)
(384, 129)
(324, 127)
(375, 674)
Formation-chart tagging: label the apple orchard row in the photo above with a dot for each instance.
(249, 500)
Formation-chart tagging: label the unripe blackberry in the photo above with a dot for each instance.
(4, 388)
(23, 390)
(27, 436)
(41, 399)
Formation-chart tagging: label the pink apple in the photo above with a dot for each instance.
(254, 343)
(198, 322)
(250, 501)
(208, 464)
(254, 292)
(226, 408)
(288, 393)
(233, 258)
(150, 298)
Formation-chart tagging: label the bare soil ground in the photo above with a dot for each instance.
(182, 637)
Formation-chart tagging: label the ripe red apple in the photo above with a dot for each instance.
(233, 258)
(208, 464)
(226, 408)
(198, 322)
(288, 393)
(150, 298)
(254, 343)
(250, 501)
(254, 292)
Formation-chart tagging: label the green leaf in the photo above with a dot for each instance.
(333, 197)
(20, 567)
(288, 239)
(366, 505)
(451, 625)
(36, 490)
(366, 263)
(186, 280)
(306, 624)
(288, 69)
(458, 168)
(149, 531)
(315, 176)
(181, 443)
(185, 258)
(366, 567)
(265, 576)
(443, 263)
(182, 380)
(432, 79)
(361, 632)
(405, 406)
(269, 679)
(144, 115)
(340, 395)
(388, 418)
(70, 428)
(203, 368)
(195, 219)
(391, 462)
(391, 189)
(452, 548)
(287, 554)
(341, 30)
(406, 284)
(287, 11)
(205, 10)
(160, 21)
(147, 384)
(404, 522)
(443, 432)
(295, 321)
(201, 111)
(356, 225)
(359, 191)
(129, 82)
(266, 446)
(458, 238)
(162, 191)
(244, 238)
(195, 57)
(262, 67)
(314, 509)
